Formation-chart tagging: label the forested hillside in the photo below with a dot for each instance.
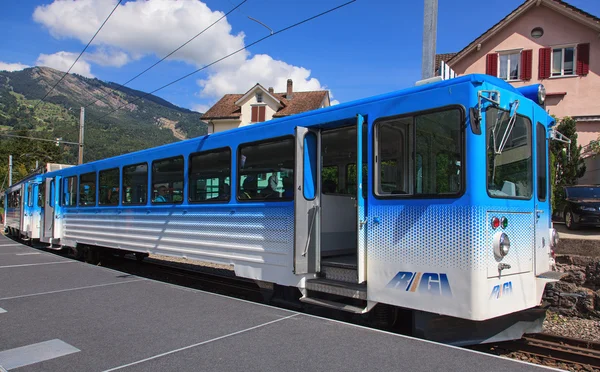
(147, 122)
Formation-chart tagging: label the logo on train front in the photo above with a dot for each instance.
(424, 283)
(501, 290)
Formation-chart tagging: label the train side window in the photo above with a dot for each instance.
(393, 150)
(69, 191)
(52, 188)
(87, 189)
(30, 195)
(135, 184)
(421, 154)
(266, 171)
(541, 162)
(41, 202)
(109, 187)
(210, 176)
(167, 180)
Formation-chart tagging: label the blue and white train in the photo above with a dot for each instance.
(434, 200)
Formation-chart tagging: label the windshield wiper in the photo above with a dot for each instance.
(498, 148)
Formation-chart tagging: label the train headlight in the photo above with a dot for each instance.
(501, 244)
(553, 238)
(541, 94)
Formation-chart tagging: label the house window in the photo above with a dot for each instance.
(258, 113)
(259, 97)
(508, 68)
(563, 61)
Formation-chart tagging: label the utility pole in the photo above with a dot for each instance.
(9, 170)
(81, 121)
(429, 38)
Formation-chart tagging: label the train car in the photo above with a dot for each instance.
(30, 227)
(433, 199)
(13, 209)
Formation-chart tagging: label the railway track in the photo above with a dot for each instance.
(565, 352)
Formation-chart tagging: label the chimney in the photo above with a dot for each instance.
(271, 90)
(290, 90)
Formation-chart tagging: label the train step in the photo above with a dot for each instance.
(339, 288)
(333, 305)
(339, 273)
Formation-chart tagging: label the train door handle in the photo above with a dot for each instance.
(362, 223)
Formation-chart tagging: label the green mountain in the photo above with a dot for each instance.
(147, 122)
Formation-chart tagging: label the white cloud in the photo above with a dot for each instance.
(63, 60)
(107, 57)
(155, 27)
(262, 69)
(4, 66)
(145, 27)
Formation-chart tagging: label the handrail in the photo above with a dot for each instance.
(312, 223)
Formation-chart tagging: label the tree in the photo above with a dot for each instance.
(595, 146)
(566, 161)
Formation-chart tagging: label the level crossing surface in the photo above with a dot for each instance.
(58, 314)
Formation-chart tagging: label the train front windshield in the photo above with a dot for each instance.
(509, 159)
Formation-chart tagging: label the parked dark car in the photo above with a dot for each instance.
(581, 206)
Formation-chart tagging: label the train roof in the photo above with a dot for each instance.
(475, 79)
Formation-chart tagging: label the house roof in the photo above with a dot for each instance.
(252, 90)
(557, 5)
(442, 57)
(226, 108)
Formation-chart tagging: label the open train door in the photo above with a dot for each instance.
(48, 210)
(307, 214)
(22, 227)
(361, 197)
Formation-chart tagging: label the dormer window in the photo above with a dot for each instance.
(259, 98)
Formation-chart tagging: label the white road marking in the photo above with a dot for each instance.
(70, 289)
(35, 353)
(201, 343)
(27, 254)
(37, 264)
(10, 245)
(2, 310)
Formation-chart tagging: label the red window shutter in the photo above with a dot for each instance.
(491, 66)
(261, 113)
(254, 114)
(544, 63)
(526, 61)
(583, 59)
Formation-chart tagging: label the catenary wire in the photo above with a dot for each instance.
(38, 139)
(80, 54)
(229, 55)
(170, 54)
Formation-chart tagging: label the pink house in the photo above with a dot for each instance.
(548, 42)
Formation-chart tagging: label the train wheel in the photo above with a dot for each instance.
(92, 256)
(78, 253)
(140, 256)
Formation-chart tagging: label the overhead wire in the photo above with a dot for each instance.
(174, 51)
(229, 55)
(80, 54)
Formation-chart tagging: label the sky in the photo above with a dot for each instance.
(366, 48)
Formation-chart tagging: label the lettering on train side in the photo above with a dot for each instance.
(424, 283)
(501, 290)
